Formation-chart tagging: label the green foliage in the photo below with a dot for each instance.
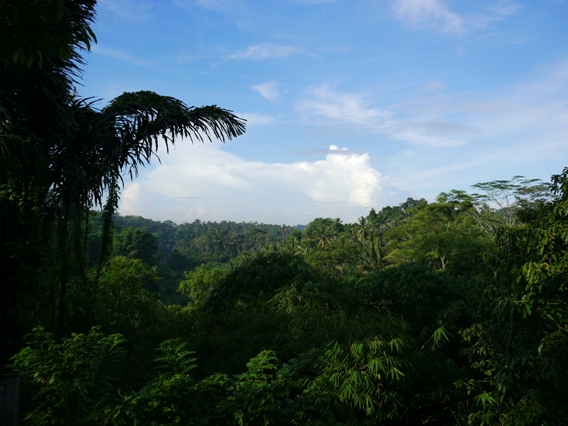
(168, 398)
(504, 202)
(426, 309)
(136, 243)
(68, 382)
(520, 344)
(259, 395)
(267, 392)
(124, 304)
(369, 236)
(441, 235)
(259, 277)
(390, 216)
(288, 306)
(362, 378)
(416, 294)
(200, 282)
(362, 340)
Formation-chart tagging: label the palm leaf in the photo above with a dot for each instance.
(140, 120)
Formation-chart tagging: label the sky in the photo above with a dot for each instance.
(350, 104)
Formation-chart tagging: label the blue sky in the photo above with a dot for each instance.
(351, 104)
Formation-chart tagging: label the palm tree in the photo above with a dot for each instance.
(366, 234)
(60, 156)
(88, 166)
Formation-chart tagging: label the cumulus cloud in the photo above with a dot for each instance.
(267, 90)
(205, 182)
(263, 51)
(336, 148)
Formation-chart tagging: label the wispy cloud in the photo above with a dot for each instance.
(511, 130)
(315, 1)
(130, 9)
(183, 57)
(430, 12)
(216, 5)
(254, 119)
(435, 86)
(434, 133)
(265, 51)
(341, 109)
(339, 185)
(325, 102)
(267, 90)
(117, 54)
(434, 14)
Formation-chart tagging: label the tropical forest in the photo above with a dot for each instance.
(453, 311)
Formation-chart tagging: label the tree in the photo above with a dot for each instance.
(200, 282)
(520, 343)
(136, 243)
(368, 237)
(501, 200)
(68, 382)
(61, 156)
(123, 303)
(441, 235)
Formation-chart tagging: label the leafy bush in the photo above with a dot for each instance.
(68, 382)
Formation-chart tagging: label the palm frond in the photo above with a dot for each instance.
(141, 120)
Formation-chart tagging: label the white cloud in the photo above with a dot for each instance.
(436, 15)
(129, 9)
(341, 109)
(205, 182)
(267, 90)
(265, 51)
(325, 102)
(430, 12)
(254, 119)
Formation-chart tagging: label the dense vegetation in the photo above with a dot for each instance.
(448, 312)
(438, 312)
